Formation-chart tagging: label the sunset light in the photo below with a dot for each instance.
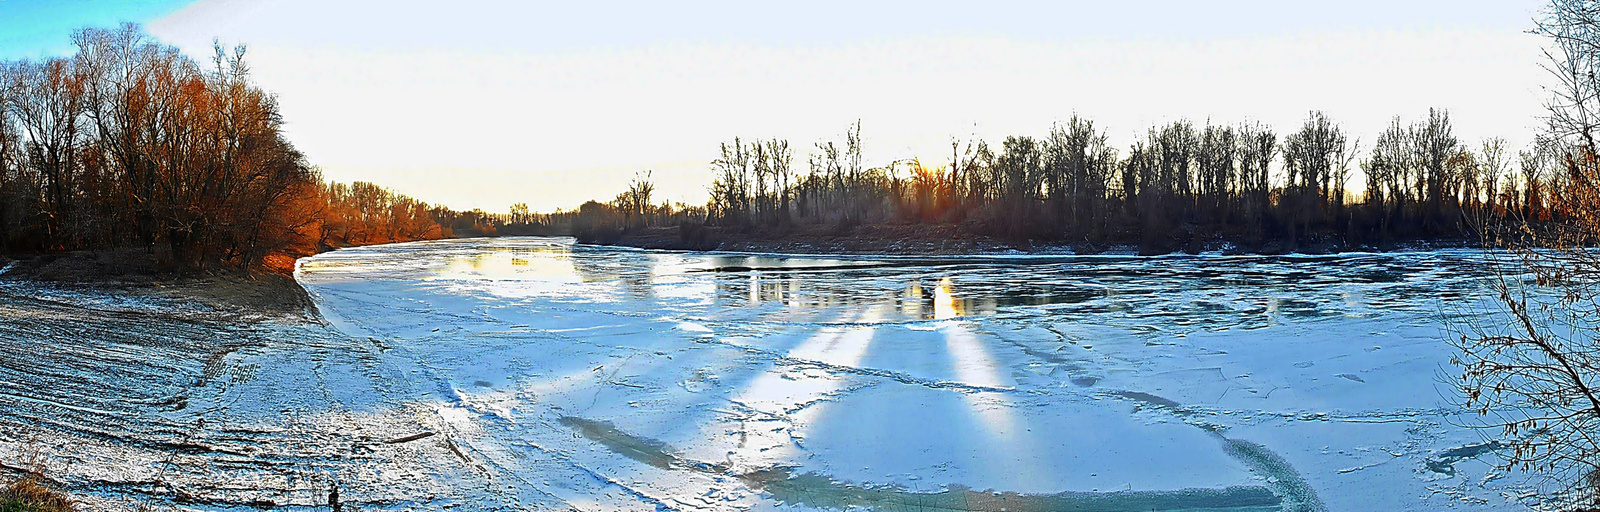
(834, 255)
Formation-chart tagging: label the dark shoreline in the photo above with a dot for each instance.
(220, 288)
(948, 240)
(226, 289)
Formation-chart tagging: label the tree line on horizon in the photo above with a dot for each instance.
(1180, 187)
(130, 143)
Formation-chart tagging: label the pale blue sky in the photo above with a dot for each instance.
(35, 28)
(482, 104)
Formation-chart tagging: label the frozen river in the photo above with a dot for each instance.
(562, 376)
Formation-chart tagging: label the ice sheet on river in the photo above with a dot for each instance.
(528, 373)
(602, 378)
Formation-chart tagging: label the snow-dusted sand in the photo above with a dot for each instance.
(559, 376)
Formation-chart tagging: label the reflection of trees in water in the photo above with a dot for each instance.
(634, 272)
(509, 261)
(787, 289)
(941, 299)
(639, 285)
(755, 288)
(917, 299)
(592, 267)
(518, 256)
(529, 250)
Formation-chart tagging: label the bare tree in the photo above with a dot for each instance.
(762, 169)
(49, 107)
(1344, 168)
(730, 192)
(782, 160)
(1258, 147)
(1435, 142)
(1216, 164)
(1310, 156)
(854, 177)
(639, 191)
(1492, 161)
(1534, 378)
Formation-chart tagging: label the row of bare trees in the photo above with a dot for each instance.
(1179, 185)
(753, 182)
(128, 142)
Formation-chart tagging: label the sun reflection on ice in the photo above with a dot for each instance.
(945, 306)
(516, 271)
(973, 365)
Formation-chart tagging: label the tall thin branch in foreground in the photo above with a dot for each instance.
(1535, 378)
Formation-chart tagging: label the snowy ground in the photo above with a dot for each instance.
(494, 374)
